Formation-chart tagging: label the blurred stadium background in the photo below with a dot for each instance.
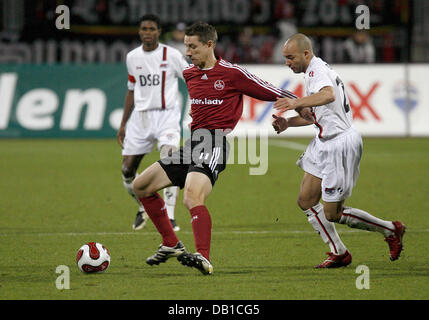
(71, 82)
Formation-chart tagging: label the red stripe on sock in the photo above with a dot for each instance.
(202, 228)
(366, 221)
(155, 208)
(326, 232)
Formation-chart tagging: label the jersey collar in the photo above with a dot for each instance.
(313, 60)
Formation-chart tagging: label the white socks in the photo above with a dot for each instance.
(356, 218)
(325, 228)
(170, 196)
(170, 193)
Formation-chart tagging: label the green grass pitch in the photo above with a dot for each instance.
(56, 195)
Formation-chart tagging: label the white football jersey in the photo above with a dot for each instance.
(152, 75)
(335, 117)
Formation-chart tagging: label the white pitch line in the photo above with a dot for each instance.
(44, 234)
(47, 234)
(288, 145)
(151, 233)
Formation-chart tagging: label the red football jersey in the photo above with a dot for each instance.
(217, 94)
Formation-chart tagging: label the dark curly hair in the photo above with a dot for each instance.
(151, 17)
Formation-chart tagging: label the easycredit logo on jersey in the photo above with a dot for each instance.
(206, 101)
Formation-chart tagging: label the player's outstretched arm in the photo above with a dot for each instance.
(306, 114)
(280, 124)
(253, 86)
(324, 96)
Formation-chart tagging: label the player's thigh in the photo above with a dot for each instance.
(341, 167)
(197, 188)
(310, 191)
(151, 180)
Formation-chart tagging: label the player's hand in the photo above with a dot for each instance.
(280, 124)
(120, 136)
(286, 104)
(305, 113)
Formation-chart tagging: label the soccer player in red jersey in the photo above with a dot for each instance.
(216, 88)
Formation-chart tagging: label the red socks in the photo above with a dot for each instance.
(202, 227)
(201, 224)
(155, 208)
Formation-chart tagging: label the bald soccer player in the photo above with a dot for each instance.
(331, 160)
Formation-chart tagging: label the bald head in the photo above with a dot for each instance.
(301, 41)
(298, 52)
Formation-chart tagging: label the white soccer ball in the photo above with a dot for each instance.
(93, 257)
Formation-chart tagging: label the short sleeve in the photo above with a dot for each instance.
(317, 79)
(131, 80)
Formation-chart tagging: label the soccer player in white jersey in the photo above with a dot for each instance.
(151, 109)
(331, 160)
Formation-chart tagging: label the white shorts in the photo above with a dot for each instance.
(145, 128)
(336, 162)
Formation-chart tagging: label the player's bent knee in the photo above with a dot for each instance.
(138, 189)
(191, 200)
(143, 192)
(142, 187)
(188, 202)
(305, 203)
(331, 215)
(150, 181)
(301, 204)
